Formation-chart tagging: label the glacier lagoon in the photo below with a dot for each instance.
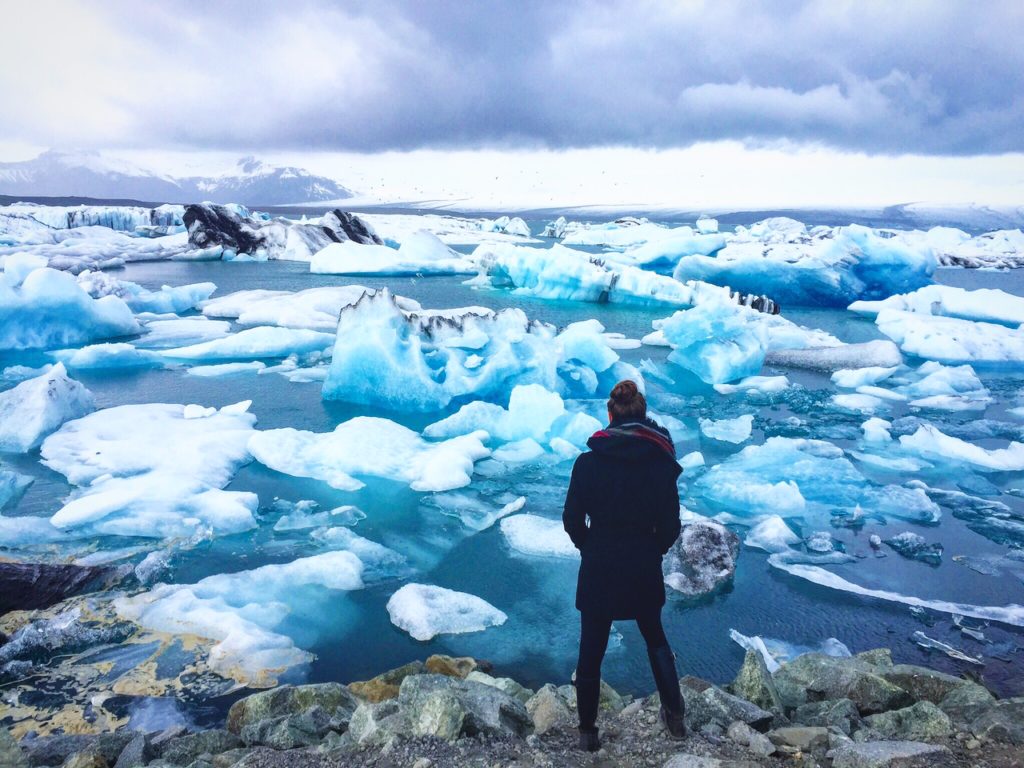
(349, 632)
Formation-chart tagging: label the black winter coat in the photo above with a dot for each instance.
(626, 486)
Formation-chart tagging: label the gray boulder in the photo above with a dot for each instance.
(707, 703)
(506, 684)
(755, 741)
(182, 750)
(816, 677)
(333, 698)
(922, 683)
(838, 713)
(967, 702)
(487, 710)
(1002, 722)
(702, 559)
(376, 724)
(889, 754)
(922, 721)
(136, 753)
(548, 709)
(755, 684)
(876, 657)
(54, 750)
(803, 738)
(439, 713)
(302, 729)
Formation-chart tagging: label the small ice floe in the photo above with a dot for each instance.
(37, 407)
(772, 535)
(425, 611)
(370, 446)
(538, 536)
(914, 547)
(778, 652)
(735, 430)
(931, 644)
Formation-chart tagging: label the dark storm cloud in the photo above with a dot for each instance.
(941, 77)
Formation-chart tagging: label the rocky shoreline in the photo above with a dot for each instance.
(857, 712)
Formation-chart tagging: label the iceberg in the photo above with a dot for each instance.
(420, 254)
(422, 361)
(122, 218)
(832, 268)
(316, 309)
(370, 446)
(702, 559)
(38, 407)
(852, 378)
(100, 356)
(728, 430)
(537, 536)
(869, 354)
(92, 248)
(792, 477)
(952, 340)
(241, 611)
(42, 308)
(425, 611)
(929, 443)
(999, 249)
(722, 342)
(253, 343)
(566, 274)
(167, 300)
(533, 412)
(154, 470)
(772, 535)
(766, 385)
(228, 232)
(12, 486)
(984, 304)
(179, 331)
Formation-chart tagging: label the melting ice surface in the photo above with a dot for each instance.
(421, 497)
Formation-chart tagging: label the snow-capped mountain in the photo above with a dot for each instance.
(88, 174)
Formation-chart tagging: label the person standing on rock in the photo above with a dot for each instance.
(626, 487)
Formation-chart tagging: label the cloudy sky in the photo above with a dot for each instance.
(932, 88)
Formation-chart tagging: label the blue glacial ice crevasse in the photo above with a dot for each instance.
(421, 361)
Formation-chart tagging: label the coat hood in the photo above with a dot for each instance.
(640, 441)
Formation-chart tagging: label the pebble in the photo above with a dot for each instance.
(972, 744)
(423, 762)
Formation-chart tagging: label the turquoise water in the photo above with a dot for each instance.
(351, 634)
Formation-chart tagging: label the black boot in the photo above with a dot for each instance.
(588, 693)
(663, 665)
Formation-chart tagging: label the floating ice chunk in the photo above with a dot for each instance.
(379, 562)
(772, 535)
(876, 430)
(663, 253)
(1001, 249)
(303, 514)
(510, 226)
(989, 305)
(914, 546)
(878, 353)
(44, 308)
(778, 652)
(934, 385)
(181, 331)
(851, 378)
(702, 559)
(17, 373)
(420, 254)
(261, 342)
(146, 470)
(425, 611)
(952, 340)
(723, 342)
(932, 644)
(820, 541)
(692, 460)
(422, 361)
(563, 273)
(226, 369)
(764, 384)
(519, 451)
(535, 535)
(707, 225)
(370, 446)
(533, 412)
(107, 355)
(167, 299)
(241, 611)
(728, 430)
(1008, 614)
(862, 403)
(832, 268)
(930, 443)
(790, 476)
(625, 232)
(35, 408)
(473, 511)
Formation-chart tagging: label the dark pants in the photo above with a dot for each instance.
(594, 631)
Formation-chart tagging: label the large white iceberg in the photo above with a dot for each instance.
(830, 267)
(425, 611)
(122, 218)
(420, 254)
(370, 446)
(169, 299)
(36, 407)
(986, 304)
(253, 343)
(402, 360)
(951, 340)
(44, 308)
(931, 443)
(314, 308)
(154, 470)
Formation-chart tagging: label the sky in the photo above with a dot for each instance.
(863, 101)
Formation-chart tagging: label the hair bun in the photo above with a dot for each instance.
(625, 391)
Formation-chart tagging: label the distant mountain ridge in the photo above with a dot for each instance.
(87, 174)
